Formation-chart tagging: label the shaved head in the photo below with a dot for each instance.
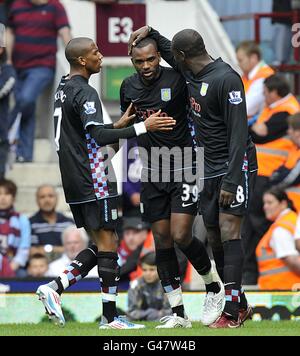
(77, 47)
(190, 42)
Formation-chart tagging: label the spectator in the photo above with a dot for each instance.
(146, 299)
(255, 71)
(37, 266)
(132, 185)
(269, 135)
(74, 241)
(5, 269)
(32, 32)
(278, 259)
(282, 33)
(7, 83)
(288, 175)
(137, 240)
(14, 229)
(47, 224)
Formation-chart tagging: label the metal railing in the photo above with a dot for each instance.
(294, 69)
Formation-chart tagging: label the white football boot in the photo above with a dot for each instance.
(213, 306)
(52, 303)
(120, 322)
(174, 321)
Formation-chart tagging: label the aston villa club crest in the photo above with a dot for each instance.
(165, 94)
(203, 89)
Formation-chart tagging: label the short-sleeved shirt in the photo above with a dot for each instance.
(82, 162)
(43, 233)
(35, 28)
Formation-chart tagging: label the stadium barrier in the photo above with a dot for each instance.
(86, 307)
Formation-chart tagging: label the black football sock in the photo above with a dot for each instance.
(196, 253)
(218, 254)
(168, 271)
(109, 274)
(78, 269)
(233, 267)
(244, 302)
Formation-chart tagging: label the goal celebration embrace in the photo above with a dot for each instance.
(164, 108)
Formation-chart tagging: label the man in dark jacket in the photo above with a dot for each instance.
(282, 32)
(7, 83)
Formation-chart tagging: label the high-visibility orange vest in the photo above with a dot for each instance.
(273, 272)
(272, 155)
(294, 191)
(263, 72)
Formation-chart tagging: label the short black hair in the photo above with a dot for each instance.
(279, 83)
(281, 196)
(76, 48)
(190, 42)
(9, 186)
(145, 42)
(148, 259)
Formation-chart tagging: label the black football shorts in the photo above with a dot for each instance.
(160, 200)
(96, 215)
(209, 199)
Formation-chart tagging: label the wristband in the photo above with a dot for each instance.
(140, 128)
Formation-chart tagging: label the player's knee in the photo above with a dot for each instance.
(229, 229)
(182, 238)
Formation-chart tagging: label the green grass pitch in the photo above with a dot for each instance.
(264, 328)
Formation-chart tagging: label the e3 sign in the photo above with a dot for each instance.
(115, 23)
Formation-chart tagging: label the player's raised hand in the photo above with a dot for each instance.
(126, 119)
(157, 123)
(226, 198)
(137, 36)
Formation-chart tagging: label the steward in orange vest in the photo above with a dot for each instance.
(273, 272)
(255, 71)
(275, 269)
(269, 133)
(260, 71)
(288, 175)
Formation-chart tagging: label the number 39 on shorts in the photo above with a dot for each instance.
(190, 192)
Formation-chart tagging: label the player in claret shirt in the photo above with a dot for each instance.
(167, 203)
(88, 180)
(217, 101)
